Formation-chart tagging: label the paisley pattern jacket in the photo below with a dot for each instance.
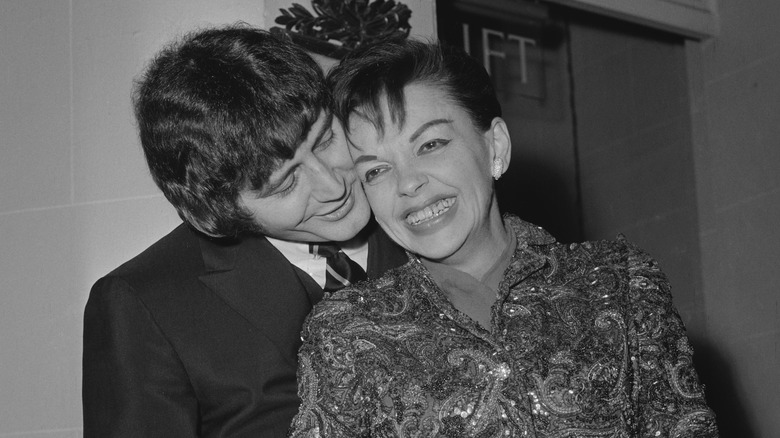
(584, 343)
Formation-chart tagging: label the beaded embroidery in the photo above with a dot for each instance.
(585, 342)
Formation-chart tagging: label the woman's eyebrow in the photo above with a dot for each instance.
(363, 158)
(427, 125)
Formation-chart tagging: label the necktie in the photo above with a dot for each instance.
(340, 270)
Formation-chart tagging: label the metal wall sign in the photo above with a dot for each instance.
(510, 38)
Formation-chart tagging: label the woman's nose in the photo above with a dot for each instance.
(410, 181)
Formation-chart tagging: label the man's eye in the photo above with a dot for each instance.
(287, 186)
(433, 145)
(326, 141)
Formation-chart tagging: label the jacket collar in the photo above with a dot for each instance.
(219, 254)
(258, 283)
(252, 257)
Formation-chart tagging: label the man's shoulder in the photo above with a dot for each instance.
(181, 259)
(178, 248)
(170, 264)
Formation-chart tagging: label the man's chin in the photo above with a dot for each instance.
(345, 229)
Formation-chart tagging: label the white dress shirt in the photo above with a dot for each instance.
(298, 254)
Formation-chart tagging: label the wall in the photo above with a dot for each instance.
(736, 127)
(75, 197)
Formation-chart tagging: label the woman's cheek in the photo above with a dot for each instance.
(380, 203)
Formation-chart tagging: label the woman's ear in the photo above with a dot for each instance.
(500, 143)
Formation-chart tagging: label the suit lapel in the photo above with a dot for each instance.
(256, 281)
(313, 290)
(274, 296)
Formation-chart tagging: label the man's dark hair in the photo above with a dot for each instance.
(371, 72)
(218, 112)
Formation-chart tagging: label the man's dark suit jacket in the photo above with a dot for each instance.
(199, 338)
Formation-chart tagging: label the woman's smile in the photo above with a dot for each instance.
(429, 212)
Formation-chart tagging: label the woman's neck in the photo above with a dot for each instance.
(470, 281)
(481, 251)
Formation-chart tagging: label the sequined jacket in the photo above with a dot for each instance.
(585, 342)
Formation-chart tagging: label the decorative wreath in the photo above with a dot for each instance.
(350, 22)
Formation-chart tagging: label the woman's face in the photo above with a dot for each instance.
(429, 181)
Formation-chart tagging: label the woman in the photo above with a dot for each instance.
(492, 328)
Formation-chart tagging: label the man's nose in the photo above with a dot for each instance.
(328, 183)
(337, 156)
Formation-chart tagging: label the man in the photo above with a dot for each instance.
(198, 335)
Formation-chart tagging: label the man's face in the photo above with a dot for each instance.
(315, 196)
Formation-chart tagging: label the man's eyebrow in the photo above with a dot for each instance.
(271, 186)
(427, 125)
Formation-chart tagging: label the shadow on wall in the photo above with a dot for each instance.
(534, 191)
(717, 376)
(536, 194)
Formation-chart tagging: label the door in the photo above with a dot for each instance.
(526, 53)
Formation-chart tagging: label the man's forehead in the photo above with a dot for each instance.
(323, 122)
(283, 167)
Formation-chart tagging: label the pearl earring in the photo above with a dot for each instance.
(498, 168)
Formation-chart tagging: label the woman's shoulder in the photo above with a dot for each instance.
(615, 267)
(360, 301)
(617, 251)
(608, 250)
(617, 257)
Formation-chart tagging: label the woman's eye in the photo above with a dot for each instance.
(373, 174)
(433, 145)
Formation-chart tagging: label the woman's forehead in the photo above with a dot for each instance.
(420, 101)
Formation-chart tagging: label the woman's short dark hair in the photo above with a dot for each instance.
(218, 111)
(384, 69)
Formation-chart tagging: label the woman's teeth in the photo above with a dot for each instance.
(429, 212)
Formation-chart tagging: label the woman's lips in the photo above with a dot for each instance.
(429, 212)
